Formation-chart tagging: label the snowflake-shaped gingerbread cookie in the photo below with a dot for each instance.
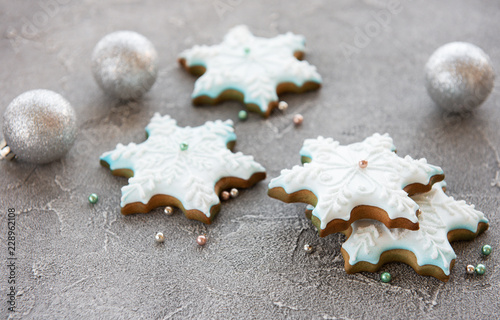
(183, 167)
(251, 69)
(427, 250)
(365, 180)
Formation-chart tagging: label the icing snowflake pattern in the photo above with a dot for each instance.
(251, 65)
(440, 214)
(184, 163)
(368, 173)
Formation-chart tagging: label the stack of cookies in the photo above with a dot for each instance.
(390, 208)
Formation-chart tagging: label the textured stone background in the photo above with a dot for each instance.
(89, 262)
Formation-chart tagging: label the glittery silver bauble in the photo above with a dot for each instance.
(39, 126)
(459, 76)
(125, 64)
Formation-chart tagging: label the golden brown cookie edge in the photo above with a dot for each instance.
(166, 200)
(236, 95)
(339, 225)
(418, 188)
(409, 258)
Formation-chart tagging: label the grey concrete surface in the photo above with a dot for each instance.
(77, 261)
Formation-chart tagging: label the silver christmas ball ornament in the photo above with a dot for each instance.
(459, 76)
(125, 64)
(39, 126)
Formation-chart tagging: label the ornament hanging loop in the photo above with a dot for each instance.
(5, 152)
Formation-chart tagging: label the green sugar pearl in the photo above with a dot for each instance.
(385, 277)
(480, 269)
(93, 198)
(247, 50)
(486, 249)
(242, 115)
(184, 146)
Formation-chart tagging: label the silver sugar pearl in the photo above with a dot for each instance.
(470, 269)
(39, 126)
(308, 248)
(159, 237)
(169, 211)
(125, 64)
(5, 152)
(459, 76)
(234, 192)
(282, 105)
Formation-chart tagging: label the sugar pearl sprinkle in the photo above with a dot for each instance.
(385, 277)
(470, 269)
(298, 119)
(480, 269)
(169, 211)
(282, 105)
(308, 248)
(201, 240)
(486, 250)
(234, 192)
(242, 115)
(225, 195)
(363, 164)
(184, 146)
(93, 198)
(159, 237)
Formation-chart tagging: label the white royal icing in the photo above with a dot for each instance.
(340, 184)
(161, 167)
(252, 65)
(439, 215)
